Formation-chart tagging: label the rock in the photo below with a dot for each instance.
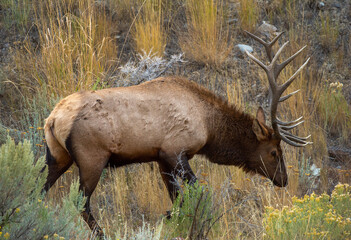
(232, 21)
(267, 30)
(336, 5)
(315, 171)
(243, 48)
(321, 5)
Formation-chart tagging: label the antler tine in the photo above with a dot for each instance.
(291, 126)
(281, 123)
(281, 66)
(282, 99)
(273, 69)
(277, 55)
(267, 45)
(291, 135)
(294, 142)
(292, 78)
(261, 64)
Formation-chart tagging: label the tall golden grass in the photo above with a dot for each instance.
(149, 34)
(207, 38)
(329, 31)
(76, 49)
(249, 14)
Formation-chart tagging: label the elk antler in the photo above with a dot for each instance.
(273, 70)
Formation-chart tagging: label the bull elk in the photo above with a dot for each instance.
(167, 120)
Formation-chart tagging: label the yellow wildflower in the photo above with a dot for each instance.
(270, 208)
(334, 84)
(17, 210)
(39, 200)
(340, 85)
(62, 238)
(46, 237)
(6, 235)
(56, 235)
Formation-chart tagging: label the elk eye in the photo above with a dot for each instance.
(274, 153)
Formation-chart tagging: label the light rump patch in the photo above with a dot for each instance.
(61, 119)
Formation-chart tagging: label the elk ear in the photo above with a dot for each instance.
(260, 131)
(260, 115)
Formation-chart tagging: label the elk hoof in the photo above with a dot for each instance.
(98, 233)
(168, 215)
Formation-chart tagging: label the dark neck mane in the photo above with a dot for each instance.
(230, 129)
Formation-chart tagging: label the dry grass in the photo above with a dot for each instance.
(207, 39)
(149, 34)
(249, 14)
(329, 31)
(75, 52)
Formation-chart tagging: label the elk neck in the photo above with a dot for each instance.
(231, 139)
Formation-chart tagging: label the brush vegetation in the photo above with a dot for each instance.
(50, 49)
(23, 212)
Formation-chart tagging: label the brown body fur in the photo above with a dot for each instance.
(166, 120)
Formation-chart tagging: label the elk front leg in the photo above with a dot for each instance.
(172, 167)
(91, 164)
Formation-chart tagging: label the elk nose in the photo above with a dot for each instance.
(283, 182)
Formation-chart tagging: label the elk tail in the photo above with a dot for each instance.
(49, 159)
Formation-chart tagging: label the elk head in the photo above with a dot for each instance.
(271, 156)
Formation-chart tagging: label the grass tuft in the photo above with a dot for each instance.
(249, 14)
(149, 34)
(207, 40)
(329, 31)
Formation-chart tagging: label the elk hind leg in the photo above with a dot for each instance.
(58, 162)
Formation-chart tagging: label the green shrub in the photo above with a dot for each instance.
(334, 111)
(23, 213)
(29, 122)
(193, 214)
(313, 217)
